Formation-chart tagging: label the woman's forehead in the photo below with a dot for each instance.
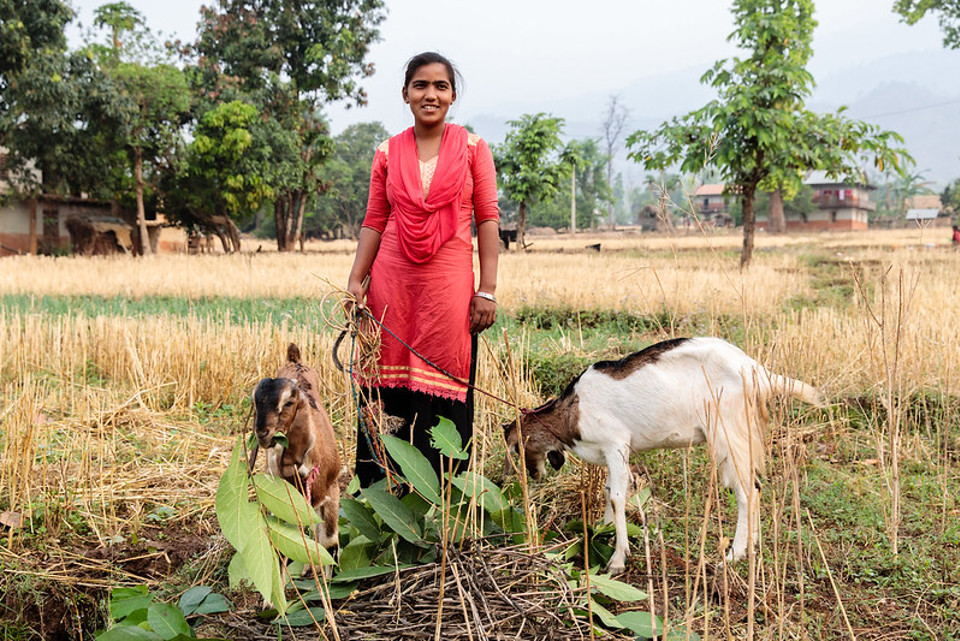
(431, 72)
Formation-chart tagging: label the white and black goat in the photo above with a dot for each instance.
(673, 394)
(290, 404)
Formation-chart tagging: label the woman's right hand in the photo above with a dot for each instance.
(357, 289)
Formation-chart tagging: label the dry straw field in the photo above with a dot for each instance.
(124, 384)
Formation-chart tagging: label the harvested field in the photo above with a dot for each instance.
(125, 384)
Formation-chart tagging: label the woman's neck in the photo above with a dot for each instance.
(428, 140)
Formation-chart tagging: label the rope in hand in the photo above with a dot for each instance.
(364, 329)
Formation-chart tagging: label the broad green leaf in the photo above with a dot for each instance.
(395, 514)
(616, 590)
(482, 489)
(510, 520)
(606, 617)
(284, 501)
(356, 554)
(124, 601)
(416, 469)
(360, 516)
(302, 618)
(337, 591)
(192, 598)
(294, 543)
(262, 565)
(167, 621)
(641, 623)
(232, 506)
(128, 633)
(365, 573)
(213, 604)
(445, 438)
(353, 486)
(237, 571)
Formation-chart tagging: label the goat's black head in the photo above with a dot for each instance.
(539, 445)
(275, 404)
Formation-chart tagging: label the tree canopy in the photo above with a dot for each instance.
(346, 180)
(947, 12)
(757, 131)
(532, 163)
(289, 59)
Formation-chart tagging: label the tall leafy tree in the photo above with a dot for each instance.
(947, 12)
(757, 131)
(532, 163)
(951, 197)
(592, 192)
(40, 97)
(234, 164)
(346, 179)
(153, 103)
(290, 59)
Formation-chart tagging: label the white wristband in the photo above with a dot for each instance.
(485, 295)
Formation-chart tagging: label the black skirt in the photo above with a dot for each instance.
(419, 412)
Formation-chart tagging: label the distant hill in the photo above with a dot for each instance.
(915, 94)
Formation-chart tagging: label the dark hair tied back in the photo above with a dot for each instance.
(428, 58)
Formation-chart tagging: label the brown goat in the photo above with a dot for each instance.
(289, 404)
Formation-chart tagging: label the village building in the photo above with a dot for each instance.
(712, 205)
(841, 205)
(51, 224)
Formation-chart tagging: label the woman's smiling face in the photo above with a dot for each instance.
(430, 94)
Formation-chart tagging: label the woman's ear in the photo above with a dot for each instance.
(406, 98)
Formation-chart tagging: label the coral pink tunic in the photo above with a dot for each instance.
(426, 302)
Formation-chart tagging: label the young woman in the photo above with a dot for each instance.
(427, 185)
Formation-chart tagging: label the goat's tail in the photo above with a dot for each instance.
(784, 386)
(293, 353)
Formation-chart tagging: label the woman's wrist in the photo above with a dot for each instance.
(486, 296)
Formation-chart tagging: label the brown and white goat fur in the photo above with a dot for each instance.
(290, 404)
(674, 394)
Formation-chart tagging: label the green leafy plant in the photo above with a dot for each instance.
(259, 537)
(139, 616)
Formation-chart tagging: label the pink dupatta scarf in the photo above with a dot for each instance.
(425, 224)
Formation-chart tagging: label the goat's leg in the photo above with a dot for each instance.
(330, 514)
(618, 480)
(748, 518)
(607, 505)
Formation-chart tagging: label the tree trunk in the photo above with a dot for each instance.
(298, 221)
(749, 224)
(573, 201)
(610, 216)
(288, 212)
(32, 249)
(141, 212)
(778, 222)
(522, 224)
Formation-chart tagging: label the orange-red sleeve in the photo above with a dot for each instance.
(485, 205)
(378, 207)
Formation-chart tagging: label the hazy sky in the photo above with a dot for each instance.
(532, 53)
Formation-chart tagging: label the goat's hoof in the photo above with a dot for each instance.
(614, 570)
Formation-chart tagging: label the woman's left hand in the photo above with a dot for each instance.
(483, 314)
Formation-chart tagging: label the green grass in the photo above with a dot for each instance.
(306, 311)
